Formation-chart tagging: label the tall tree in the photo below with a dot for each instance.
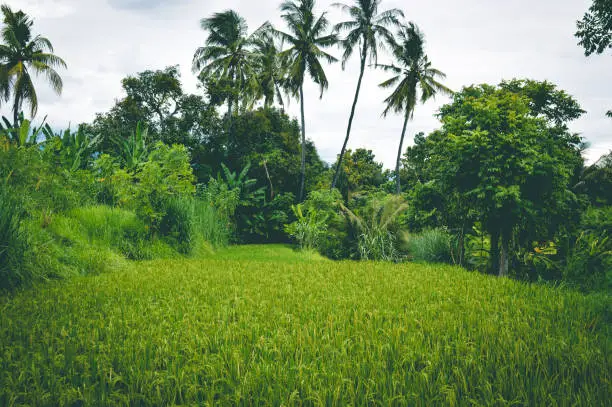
(226, 55)
(367, 31)
(269, 70)
(307, 37)
(21, 53)
(414, 75)
(595, 28)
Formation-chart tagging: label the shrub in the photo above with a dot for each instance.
(13, 243)
(309, 227)
(432, 246)
(167, 174)
(589, 262)
(376, 227)
(337, 243)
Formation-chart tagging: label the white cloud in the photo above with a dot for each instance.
(473, 41)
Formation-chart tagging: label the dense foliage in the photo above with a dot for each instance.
(500, 187)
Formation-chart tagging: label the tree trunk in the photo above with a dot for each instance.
(303, 167)
(16, 112)
(229, 126)
(461, 246)
(265, 165)
(398, 186)
(494, 252)
(350, 123)
(505, 253)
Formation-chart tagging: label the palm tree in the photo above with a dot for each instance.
(307, 36)
(20, 54)
(368, 30)
(269, 70)
(226, 55)
(413, 75)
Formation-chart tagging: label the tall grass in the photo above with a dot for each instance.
(431, 246)
(13, 242)
(116, 228)
(238, 332)
(190, 222)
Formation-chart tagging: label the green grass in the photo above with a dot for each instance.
(266, 325)
(266, 253)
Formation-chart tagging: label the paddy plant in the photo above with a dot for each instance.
(282, 329)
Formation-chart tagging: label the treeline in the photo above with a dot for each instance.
(501, 187)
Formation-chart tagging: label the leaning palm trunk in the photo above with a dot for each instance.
(350, 123)
(303, 166)
(398, 186)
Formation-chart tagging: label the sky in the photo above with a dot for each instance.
(472, 41)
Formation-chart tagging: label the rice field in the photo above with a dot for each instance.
(267, 326)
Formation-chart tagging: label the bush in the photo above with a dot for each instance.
(189, 222)
(13, 243)
(146, 190)
(431, 246)
(309, 228)
(377, 228)
(589, 262)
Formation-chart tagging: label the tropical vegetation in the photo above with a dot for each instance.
(186, 248)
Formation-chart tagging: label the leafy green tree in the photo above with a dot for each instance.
(367, 31)
(494, 156)
(270, 141)
(595, 28)
(414, 75)
(307, 38)
(21, 53)
(546, 101)
(157, 101)
(157, 93)
(360, 172)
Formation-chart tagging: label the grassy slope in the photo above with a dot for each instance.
(268, 325)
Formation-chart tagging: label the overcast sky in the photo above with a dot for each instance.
(472, 41)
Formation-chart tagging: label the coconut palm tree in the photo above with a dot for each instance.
(226, 55)
(22, 53)
(367, 30)
(413, 80)
(307, 36)
(269, 70)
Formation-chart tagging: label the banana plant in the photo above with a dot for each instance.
(74, 148)
(239, 180)
(24, 135)
(133, 150)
